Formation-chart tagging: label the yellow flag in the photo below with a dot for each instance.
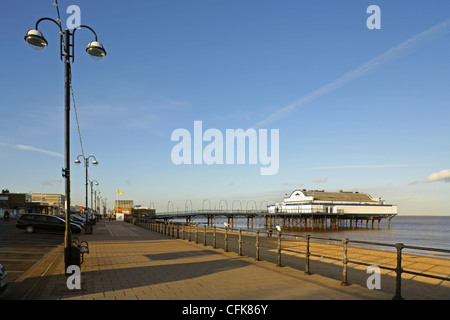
(120, 192)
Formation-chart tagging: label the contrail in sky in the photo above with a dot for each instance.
(367, 166)
(401, 49)
(30, 148)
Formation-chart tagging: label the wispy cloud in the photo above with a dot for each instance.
(321, 180)
(395, 52)
(31, 148)
(51, 182)
(289, 184)
(366, 166)
(443, 175)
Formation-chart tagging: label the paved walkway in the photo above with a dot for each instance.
(130, 262)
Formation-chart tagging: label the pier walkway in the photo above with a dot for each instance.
(315, 219)
(127, 262)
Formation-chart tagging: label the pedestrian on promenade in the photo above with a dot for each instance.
(269, 233)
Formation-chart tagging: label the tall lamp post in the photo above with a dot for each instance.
(86, 165)
(67, 50)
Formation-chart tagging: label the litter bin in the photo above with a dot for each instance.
(75, 255)
(89, 228)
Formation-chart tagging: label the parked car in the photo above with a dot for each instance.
(3, 278)
(33, 222)
(73, 218)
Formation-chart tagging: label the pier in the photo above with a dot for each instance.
(301, 210)
(286, 220)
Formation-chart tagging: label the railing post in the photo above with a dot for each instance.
(196, 233)
(204, 235)
(178, 231)
(279, 249)
(189, 231)
(344, 263)
(226, 239)
(307, 254)
(214, 238)
(398, 271)
(257, 246)
(240, 242)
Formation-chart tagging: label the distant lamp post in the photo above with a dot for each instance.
(93, 182)
(97, 200)
(86, 165)
(95, 49)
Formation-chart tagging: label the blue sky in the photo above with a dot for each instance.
(381, 128)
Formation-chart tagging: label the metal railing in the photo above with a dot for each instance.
(186, 232)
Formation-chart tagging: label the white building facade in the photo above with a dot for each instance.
(333, 203)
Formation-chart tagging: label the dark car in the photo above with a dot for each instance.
(3, 278)
(33, 222)
(73, 218)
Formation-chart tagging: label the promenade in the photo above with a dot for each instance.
(127, 262)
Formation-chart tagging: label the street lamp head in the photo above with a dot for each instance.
(77, 161)
(95, 50)
(94, 162)
(36, 39)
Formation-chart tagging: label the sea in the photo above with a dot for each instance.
(420, 231)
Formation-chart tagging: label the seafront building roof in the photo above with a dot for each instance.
(298, 196)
